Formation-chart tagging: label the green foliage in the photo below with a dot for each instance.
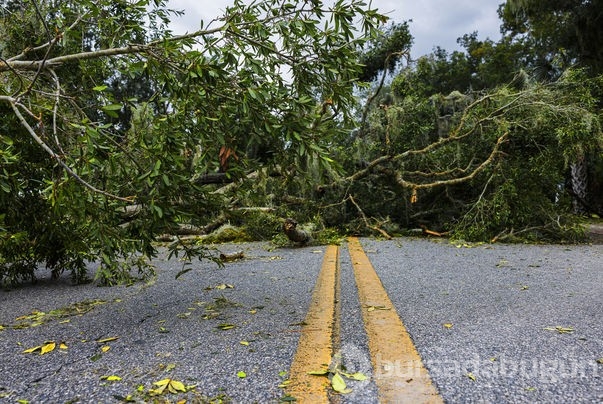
(384, 52)
(257, 224)
(564, 32)
(482, 165)
(226, 234)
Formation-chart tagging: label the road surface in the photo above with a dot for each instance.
(404, 320)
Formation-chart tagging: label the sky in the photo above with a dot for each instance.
(434, 22)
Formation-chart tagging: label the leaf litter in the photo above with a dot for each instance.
(337, 374)
(37, 318)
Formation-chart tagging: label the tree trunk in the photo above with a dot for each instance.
(579, 172)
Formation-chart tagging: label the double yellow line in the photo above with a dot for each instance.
(398, 371)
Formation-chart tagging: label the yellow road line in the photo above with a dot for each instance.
(315, 347)
(398, 370)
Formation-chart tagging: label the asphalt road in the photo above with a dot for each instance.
(492, 323)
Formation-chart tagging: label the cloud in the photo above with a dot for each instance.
(434, 22)
(194, 12)
(440, 22)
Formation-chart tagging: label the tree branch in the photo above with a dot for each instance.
(458, 180)
(56, 157)
(366, 222)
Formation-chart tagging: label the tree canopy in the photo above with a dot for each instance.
(564, 32)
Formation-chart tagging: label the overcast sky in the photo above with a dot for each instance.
(434, 22)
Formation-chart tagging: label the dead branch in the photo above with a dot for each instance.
(453, 181)
(428, 232)
(366, 222)
(229, 257)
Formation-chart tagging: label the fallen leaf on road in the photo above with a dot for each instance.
(96, 357)
(337, 380)
(470, 376)
(111, 378)
(373, 308)
(284, 384)
(339, 385)
(560, 330)
(241, 374)
(105, 348)
(170, 385)
(355, 376)
(31, 350)
(225, 326)
(44, 349)
(37, 317)
(447, 325)
(102, 341)
(246, 343)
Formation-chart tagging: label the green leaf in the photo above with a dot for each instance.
(99, 88)
(339, 385)
(182, 272)
(158, 210)
(355, 376)
(96, 357)
(560, 330)
(241, 374)
(109, 339)
(112, 107)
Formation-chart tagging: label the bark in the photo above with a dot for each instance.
(579, 184)
(294, 234)
(239, 255)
